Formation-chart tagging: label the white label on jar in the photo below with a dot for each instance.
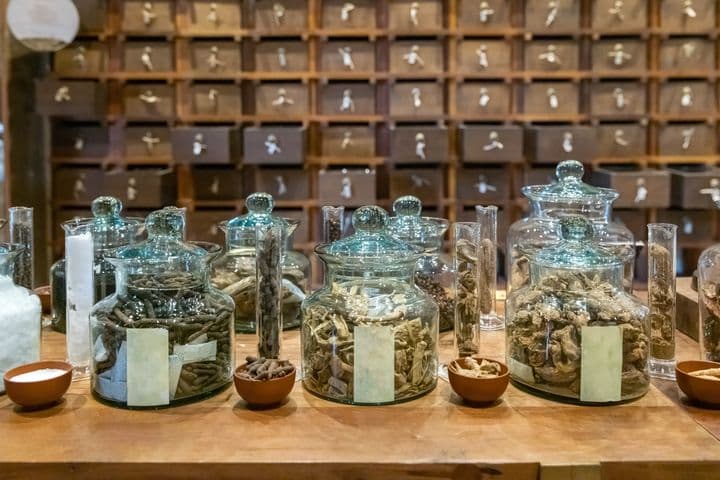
(190, 353)
(148, 382)
(601, 365)
(521, 371)
(374, 370)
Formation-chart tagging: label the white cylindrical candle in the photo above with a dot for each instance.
(80, 257)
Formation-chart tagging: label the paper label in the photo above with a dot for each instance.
(148, 367)
(602, 356)
(521, 371)
(374, 370)
(191, 353)
(175, 362)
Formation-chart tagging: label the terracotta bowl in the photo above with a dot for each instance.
(44, 294)
(698, 389)
(41, 393)
(479, 390)
(264, 393)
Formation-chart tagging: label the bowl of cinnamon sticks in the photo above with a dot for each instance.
(264, 382)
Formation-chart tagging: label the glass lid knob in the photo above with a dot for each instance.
(166, 222)
(575, 227)
(369, 219)
(407, 206)
(106, 207)
(260, 203)
(570, 170)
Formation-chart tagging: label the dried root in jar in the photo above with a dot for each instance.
(467, 313)
(661, 300)
(710, 310)
(431, 285)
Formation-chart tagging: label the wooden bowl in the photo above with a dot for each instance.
(698, 389)
(263, 393)
(44, 294)
(41, 393)
(479, 390)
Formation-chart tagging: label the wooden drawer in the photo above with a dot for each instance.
(274, 145)
(687, 15)
(77, 184)
(80, 141)
(215, 58)
(152, 141)
(149, 57)
(346, 141)
(619, 55)
(92, 15)
(70, 98)
(693, 225)
(419, 145)
(611, 15)
(687, 98)
(281, 56)
(689, 139)
(551, 55)
(416, 99)
(551, 98)
(149, 101)
(693, 186)
(220, 99)
(217, 184)
(143, 17)
(638, 187)
(206, 145)
(302, 233)
(553, 144)
(142, 188)
(80, 57)
(552, 16)
(414, 15)
(281, 16)
(488, 14)
(484, 56)
(351, 56)
(635, 220)
(621, 140)
(347, 99)
(424, 183)
(217, 16)
(204, 225)
(416, 57)
(483, 185)
(348, 187)
(284, 184)
(492, 99)
(491, 144)
(341, 14)
(282, 99)
(694, 54)
(618, 98)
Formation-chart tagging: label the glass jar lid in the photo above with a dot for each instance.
(260, 207)
(569, 188)
(409, 226)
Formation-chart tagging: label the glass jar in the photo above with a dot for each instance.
(709, 295)
(548, 203)
(433, 273)
(234, 271)
(574, 332)
(369, 335)
(20, 316)
(166, 335)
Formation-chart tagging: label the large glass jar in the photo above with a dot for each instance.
(574, 332)
(548, 203)
(709, 295)
(234, 271)
(369, 335)
(166, 335)
(433, 272)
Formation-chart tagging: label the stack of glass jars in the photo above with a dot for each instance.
(234, 271)
(433, 273)
(166, 335)
(369, 335)
(549, 203)
(573, 331)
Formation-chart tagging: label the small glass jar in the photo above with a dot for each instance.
(166, 335)
(369, 335)
(709, 295)
(433, 273)
(573, 332)
(234, 271)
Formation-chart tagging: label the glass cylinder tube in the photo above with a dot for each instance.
(268, 289)
(486, 218)
(467, 314)
(21, 233)
(57, 295)
(662, 250)
(332, 223)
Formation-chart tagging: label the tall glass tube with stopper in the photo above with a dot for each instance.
(662, 250)
(486, 218)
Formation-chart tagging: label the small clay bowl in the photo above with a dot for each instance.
(479, 390)
(41, 393)
(263, 393)
(44, 294)
(699, 389)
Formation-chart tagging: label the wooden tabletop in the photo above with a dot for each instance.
(520, 437)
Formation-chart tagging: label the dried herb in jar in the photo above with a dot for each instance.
(661, 300)
(467, 313)
(710, 308)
